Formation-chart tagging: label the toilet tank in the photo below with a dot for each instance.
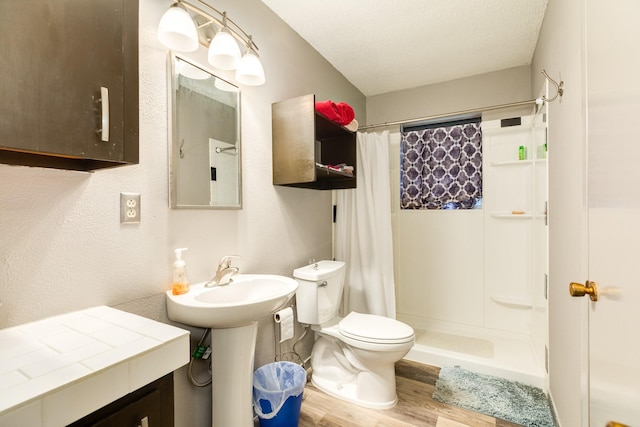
(319, 292)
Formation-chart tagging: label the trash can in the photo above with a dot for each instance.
(277, 393)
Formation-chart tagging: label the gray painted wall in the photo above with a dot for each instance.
(497, 88)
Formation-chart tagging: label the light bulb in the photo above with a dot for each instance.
(177, 31)
(224, 52)
(250, 71)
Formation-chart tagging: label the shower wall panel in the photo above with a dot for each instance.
(440, 262)
(482, 267)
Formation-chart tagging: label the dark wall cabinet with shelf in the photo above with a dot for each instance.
(305, 142)
(150, 406)
(61, 60)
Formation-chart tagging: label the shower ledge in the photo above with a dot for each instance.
(100, 352)
(513, 301)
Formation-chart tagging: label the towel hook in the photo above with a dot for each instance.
(559, 87)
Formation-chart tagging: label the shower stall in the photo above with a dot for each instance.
(472, 282)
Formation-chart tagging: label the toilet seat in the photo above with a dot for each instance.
(375, 329)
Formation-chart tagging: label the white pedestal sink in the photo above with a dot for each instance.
(232, 312)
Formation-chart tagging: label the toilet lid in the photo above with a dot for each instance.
(374, 328)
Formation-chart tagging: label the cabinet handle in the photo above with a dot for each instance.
(144, 422)
(104, 100)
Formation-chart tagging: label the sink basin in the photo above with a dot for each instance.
(247, 299)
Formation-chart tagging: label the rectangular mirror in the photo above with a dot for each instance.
(204, 138)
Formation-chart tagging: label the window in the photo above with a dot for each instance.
(441, 165)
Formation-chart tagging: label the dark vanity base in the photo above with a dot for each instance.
(154, 401)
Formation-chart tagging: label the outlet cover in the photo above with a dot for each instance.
(129, 208)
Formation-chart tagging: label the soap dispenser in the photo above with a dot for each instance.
(180, 281)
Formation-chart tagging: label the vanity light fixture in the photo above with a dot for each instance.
(181, 29)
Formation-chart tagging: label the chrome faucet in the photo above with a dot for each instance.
(224, 272)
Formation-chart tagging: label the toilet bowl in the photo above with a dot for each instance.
(353, 357)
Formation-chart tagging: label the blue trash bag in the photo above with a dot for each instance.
(273, 386)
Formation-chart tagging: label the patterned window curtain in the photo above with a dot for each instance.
(442, 166)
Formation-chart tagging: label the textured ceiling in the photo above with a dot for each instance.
(383, 45)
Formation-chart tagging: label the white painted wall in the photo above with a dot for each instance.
(63, 248)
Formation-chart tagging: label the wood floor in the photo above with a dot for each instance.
(415, 383)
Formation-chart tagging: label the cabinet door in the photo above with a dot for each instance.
(149, 406)
(57, 54)
(144, 412)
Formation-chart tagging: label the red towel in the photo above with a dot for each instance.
(340, 113)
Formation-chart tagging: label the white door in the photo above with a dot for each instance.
(613, 117)
(614, 344)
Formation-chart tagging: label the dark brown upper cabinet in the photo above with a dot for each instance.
(60, 58)
(303, 140)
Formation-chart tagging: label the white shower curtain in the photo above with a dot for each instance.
(363, 231)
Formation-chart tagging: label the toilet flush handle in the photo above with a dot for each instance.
(323, 284)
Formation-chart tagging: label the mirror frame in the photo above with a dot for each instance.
(173, 137)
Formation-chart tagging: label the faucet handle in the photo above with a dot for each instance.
(225, 261)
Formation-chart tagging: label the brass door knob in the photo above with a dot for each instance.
(580, 290)
(615, 424)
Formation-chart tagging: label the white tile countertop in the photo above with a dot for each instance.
(57, 370)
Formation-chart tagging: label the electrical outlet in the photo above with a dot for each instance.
(129, 208)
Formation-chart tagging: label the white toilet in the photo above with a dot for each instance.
(353, 357)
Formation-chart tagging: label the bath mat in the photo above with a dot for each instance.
(460, 344)
(508, 400)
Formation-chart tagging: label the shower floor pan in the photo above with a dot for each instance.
(505, 355)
